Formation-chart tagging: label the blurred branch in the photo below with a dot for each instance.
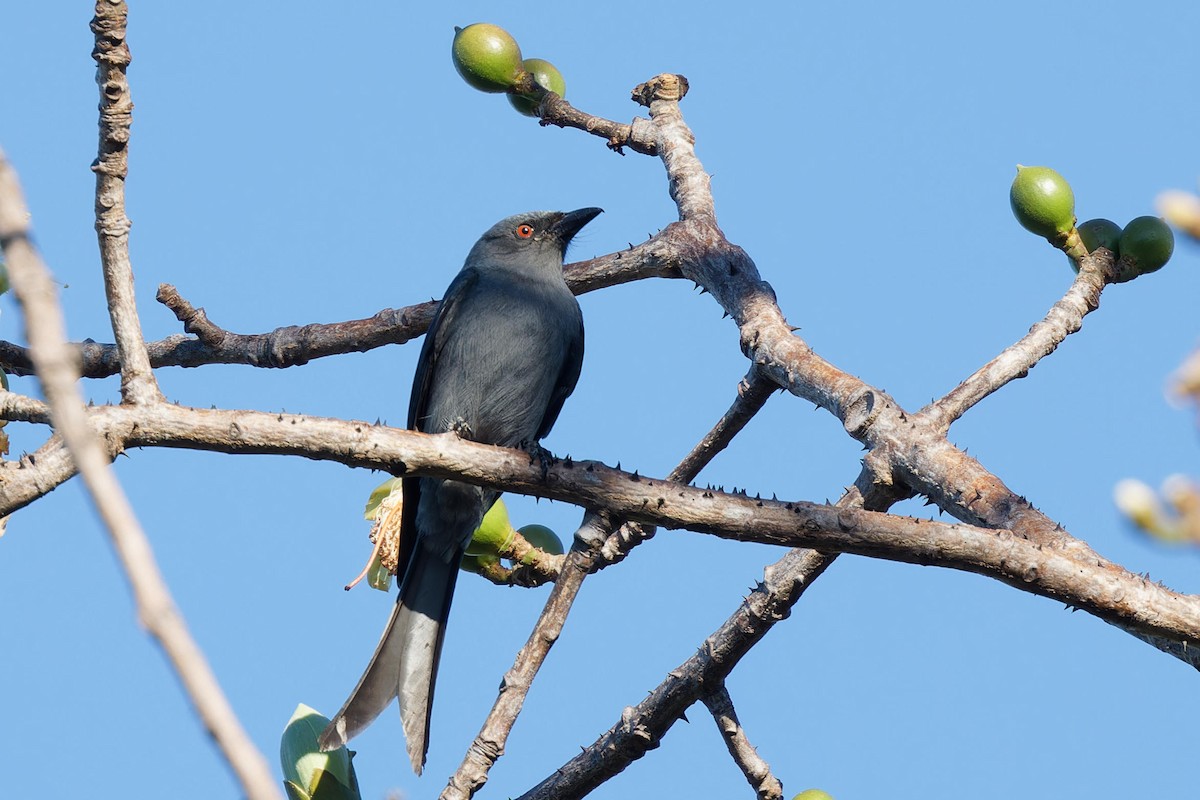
(1186, 380)
(1171, 516)
(58, 372)
(112, 226)
(757, 771)
(1181, 209)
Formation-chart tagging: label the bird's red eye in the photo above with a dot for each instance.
(524, 231)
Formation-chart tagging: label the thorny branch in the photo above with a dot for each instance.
(1087, 581)
(1005, 537)
(908, 454)
(600, 541)
(758, 773)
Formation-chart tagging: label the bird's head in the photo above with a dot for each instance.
(532, 237)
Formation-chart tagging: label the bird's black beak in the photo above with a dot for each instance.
(571, 223)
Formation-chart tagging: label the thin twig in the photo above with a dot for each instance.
(58, 372)
(757, 771)
(112, 226)
(752, 394)
(488, 745)
(1064, 318)
(554, 110)
(641, 727)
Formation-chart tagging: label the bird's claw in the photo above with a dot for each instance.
(541, 455)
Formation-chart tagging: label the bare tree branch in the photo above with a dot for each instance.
(1075, 575)
(1064, 318)
(641, 727)
(597, 533)
(294, 345)
(58, 372)
(488, 744)
(757, 771)
(554, 110)
(138, 384)
(752, 395)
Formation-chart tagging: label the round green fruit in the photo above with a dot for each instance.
(487, 57)
(494, 534)
(547, 76)
(1146, 245)
(542, 538)
(813, 794)
(1097, 233)
(1042, 201)
(480, 565)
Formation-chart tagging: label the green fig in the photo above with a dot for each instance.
(542, 538)
(494, 534)
(1097, 233)
(480, 564)
(487, 57)
(1146, 245)
(1042, 201)
(547, 76)
(813, 794)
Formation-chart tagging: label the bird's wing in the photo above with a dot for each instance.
(431, 348)
(435, 340)
(568, 376)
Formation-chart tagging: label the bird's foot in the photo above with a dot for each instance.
(541, 455)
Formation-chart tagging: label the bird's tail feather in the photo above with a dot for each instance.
(405, 661)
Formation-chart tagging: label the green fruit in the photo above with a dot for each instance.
(1146, 245)
(478, 564)
(1042, 201)
(813, 794)
(494, 534)
(487, 57)
(543, 539)
(1097, 233)
(547, 76)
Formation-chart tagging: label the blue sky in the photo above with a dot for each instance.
(316, 166)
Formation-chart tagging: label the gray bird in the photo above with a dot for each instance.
(502, 354)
